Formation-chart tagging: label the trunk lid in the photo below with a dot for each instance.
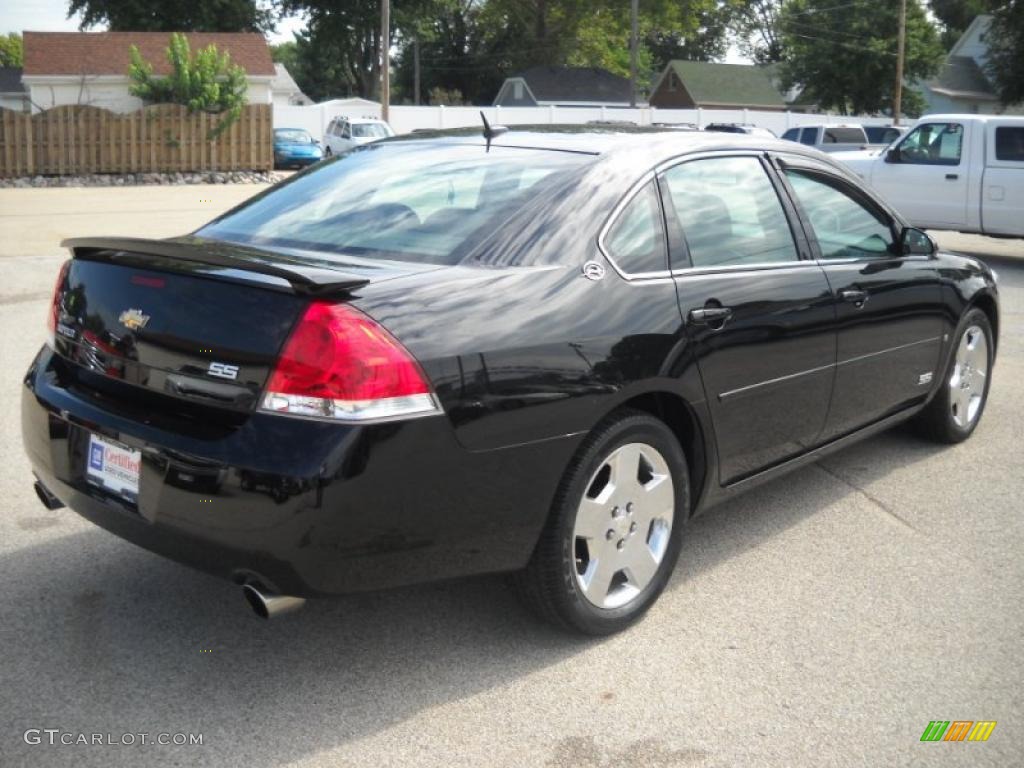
(197, 320)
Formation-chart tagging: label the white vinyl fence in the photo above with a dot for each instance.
(315, 117)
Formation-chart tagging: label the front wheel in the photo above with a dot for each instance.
(614, 533)
(956, 409)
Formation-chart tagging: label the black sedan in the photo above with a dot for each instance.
(539, 352)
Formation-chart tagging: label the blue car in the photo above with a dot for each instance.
(295, 148)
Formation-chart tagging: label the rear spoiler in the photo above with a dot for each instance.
(291, 276)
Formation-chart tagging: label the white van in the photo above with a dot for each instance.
(961, 172)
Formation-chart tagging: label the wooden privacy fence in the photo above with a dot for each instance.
(75, 139)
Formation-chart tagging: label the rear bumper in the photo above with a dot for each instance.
(302, 507)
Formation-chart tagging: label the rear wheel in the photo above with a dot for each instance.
(614, 533)
(956, 408)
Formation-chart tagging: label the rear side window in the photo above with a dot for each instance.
(729, 213)
(636, 241)
(809, 136)
(1010, 143)
(844, 136)
(406, 201)
(844, 226)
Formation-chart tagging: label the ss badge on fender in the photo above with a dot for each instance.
(223, 370)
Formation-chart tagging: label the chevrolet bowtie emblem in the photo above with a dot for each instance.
(133, 319)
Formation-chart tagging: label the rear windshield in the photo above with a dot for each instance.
(369, 130)
(844, 136)
(406, 201)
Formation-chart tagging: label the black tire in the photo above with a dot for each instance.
(937, 421)
(550, 585)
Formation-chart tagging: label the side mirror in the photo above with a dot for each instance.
(914, 241)
(892, 155)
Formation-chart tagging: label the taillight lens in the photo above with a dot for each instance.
(52, 319)
(340, 364)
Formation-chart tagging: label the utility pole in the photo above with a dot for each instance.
(901, 42)
(416, 70)
(385, 58)
(633, 53)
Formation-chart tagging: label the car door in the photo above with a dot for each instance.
(1002, 189)
(925, 176)
(889, 314)
(758, 310)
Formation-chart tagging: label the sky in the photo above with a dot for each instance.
(51, 16)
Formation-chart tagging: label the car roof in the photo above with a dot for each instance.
(604, 140)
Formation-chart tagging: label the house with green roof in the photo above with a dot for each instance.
(693, 84)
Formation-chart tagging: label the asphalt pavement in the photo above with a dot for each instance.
(821, 620)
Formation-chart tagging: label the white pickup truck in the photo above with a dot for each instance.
(961, 172)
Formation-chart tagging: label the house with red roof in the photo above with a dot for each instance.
(92, 67)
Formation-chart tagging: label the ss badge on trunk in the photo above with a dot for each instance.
(223, 370)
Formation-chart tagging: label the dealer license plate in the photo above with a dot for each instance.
(114, 467)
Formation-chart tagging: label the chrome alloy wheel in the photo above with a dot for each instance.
(967, 382)
(623, 525)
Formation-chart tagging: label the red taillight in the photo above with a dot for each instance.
(51, 321)
(339, 364)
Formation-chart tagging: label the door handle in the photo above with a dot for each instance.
(854, 296)
(709, 315)
(952, 176)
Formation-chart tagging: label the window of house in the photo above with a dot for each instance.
(517, 89)
(671, 81)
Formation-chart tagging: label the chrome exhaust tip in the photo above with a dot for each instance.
(267, 605)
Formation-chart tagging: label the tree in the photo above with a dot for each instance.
(955, 16)
(844, 54)
(206, 82)
(174, 15)
(756, 26)
(11, 52)
(1006, 44)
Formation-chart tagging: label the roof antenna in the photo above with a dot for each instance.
(490, 131)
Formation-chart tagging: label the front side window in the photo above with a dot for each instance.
(1010, 143)
(809, 136)
(403, 201)
(729, 212)
(793, 134)
(933, 144)
(844, 227)
(636, 241)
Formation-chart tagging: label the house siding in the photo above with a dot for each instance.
(112, 94)
(679, 98)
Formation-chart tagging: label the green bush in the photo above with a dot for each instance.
(206, 82)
